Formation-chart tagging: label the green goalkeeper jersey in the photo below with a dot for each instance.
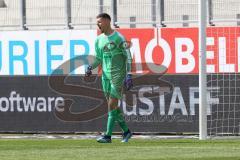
(113, 54)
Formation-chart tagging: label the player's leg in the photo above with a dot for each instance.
(122, 123)
(113, 92)
(112, 117)
(116, 91)
(112, 112)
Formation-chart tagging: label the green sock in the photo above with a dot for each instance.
(112, 116)
(121, 121)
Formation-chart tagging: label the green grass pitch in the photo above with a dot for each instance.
(136, 149)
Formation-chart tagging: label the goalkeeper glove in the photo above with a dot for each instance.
(88, 72)
(128, 82)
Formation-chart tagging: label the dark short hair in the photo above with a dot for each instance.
(104, 15)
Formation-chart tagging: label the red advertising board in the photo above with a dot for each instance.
(177, 49)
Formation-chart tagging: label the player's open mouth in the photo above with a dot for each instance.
(100, 28)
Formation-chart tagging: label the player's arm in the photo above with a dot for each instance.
(126, 51)
(97, 60)
(98, 56)
(129, 61)
(96, 63)
(128, 80)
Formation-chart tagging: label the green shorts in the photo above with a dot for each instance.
(112, 88)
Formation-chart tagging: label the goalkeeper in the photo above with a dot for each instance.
(116, 60)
